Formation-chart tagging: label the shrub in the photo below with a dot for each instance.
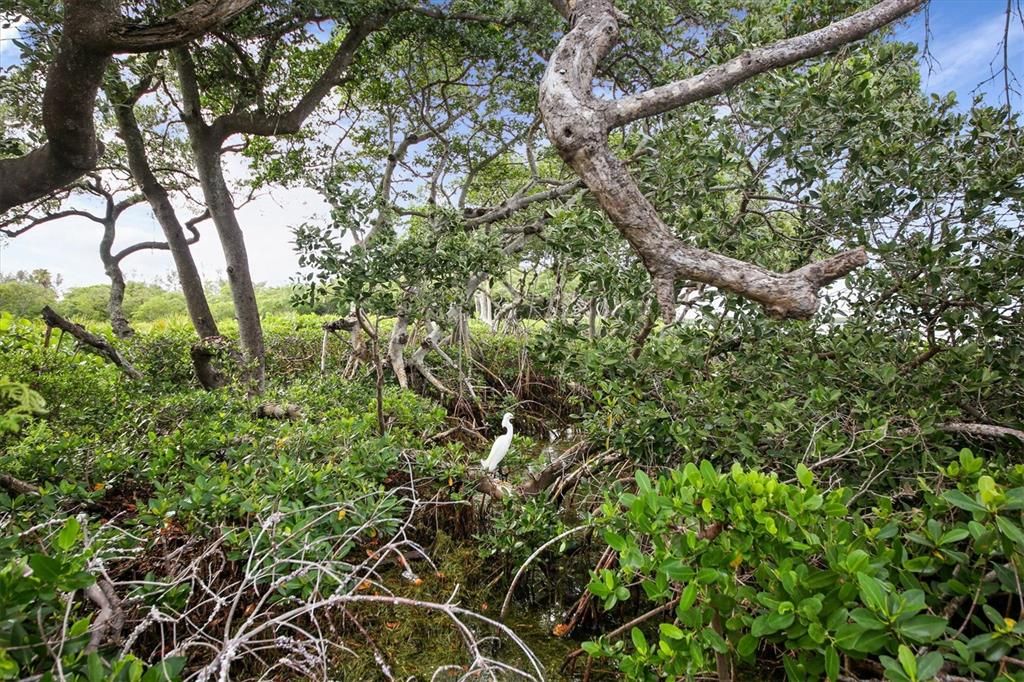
(765, 571)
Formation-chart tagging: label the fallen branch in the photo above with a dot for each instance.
(534, 485)
(17, 486)
(278, 411)
(983, 430)
(108, 624)
(98, 343)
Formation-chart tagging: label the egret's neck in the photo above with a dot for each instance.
(508, 428)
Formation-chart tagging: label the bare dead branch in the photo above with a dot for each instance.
(98, 343)
(981, 430)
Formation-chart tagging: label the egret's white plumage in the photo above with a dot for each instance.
(500, 447)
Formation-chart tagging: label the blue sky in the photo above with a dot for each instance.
(965, 36)
(965, 42)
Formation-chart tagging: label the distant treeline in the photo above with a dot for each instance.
(25, 294)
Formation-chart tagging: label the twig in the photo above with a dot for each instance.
(522, 569)
(628, 626)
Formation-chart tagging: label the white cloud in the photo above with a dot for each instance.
(968, 54)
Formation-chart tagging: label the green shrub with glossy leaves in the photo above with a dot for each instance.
(760, 570)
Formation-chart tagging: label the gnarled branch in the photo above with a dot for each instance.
(578, 124)
(97, 343)
(93, 31)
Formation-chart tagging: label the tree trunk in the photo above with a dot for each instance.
(243, 293)
(206, 148)
(396, 348)
(159, 200)
(115, 305)
(112, 266)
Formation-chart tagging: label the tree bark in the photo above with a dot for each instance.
(92, 32)
(115, 304)
(98, 343)
(396, 348)
(206, 149)
(578, 124)
(159, 201)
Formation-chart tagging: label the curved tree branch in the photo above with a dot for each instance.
(720, 78)
(578, 124)
(256, 123)
(93, 31)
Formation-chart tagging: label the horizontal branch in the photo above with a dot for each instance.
(177, 29)
(507, 208)
(983, 430)
(16, 486)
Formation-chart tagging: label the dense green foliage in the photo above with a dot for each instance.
(886, 584)
(723, 494)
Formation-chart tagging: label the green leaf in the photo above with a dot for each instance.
(8, 666)
(872, 592)
(923, 628)
(908, 661)
(771, 622)
(592, 648)
(831, 664)
(615, 541)
(94, 668)
(804, 475)
(79, 627)
(853, 637)
(68, 535)
(46, 569)
(639, 641)
(929, 665)
(866, 619)
(715, 640)
(747, 646)
(671, 631)
(1011, 531)
(958, 499)
(688, 597)
(857, 561)
(954, 535)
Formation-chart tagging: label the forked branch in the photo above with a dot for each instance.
(578, 123)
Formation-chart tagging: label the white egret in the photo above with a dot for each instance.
(500, 447)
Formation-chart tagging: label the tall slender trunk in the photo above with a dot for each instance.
(206, 148)
(112, 266)
(115, 305)
(243, 294)
(396, 347)
(159, 200)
